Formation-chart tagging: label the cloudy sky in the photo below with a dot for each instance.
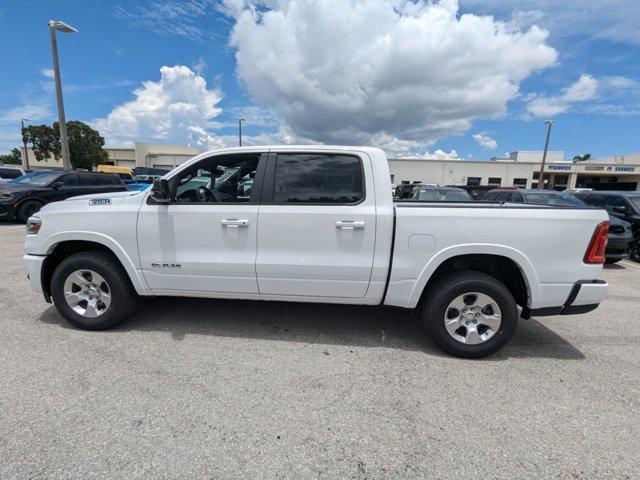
(467, 78)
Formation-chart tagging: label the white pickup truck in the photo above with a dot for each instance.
(316, 224)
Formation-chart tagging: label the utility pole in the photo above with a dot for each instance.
(240, 120)
(24, 143)
(544, 154)
(63, 27)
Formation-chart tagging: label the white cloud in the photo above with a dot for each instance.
(388, 73)
(48, 72)
(613, 20)
(179, 108)
(585, 88)
(485, 141)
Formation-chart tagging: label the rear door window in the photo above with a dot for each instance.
(88, 179)
(318, 178)
(69, 180)
(503, 196)
(597, 200)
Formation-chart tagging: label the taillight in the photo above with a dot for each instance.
(598, 244)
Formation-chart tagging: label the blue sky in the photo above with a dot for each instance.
(474, 77)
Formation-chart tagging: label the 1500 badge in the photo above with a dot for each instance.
(166, 265)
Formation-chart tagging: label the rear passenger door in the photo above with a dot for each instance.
(316, 226)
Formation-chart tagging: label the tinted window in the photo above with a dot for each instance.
(616, 202)
(596, 200)
(554, 200)
(503, 196)
(110, 179)
(221, 179)
(69, 180)
(516, 197)
(9, 173)
(318, 178)
(491, 196)
(442, 195)
(635, 201)
(494, 181)
(87, 179)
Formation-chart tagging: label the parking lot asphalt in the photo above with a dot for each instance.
(231, 389)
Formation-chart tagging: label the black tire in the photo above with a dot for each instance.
(611, 261)
(124, 298)
(26, 209)
(450, 286)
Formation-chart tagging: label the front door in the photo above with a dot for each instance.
(316, 226)
(205, 239)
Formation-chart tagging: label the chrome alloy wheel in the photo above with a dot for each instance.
(472, 318)
(87, 293)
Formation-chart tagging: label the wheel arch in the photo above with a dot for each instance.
(60, 248)
(506, 264)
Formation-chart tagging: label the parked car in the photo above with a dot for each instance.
(440, 194)
(319, 226)
(620, 237)
(405, 190)
(477, 192)
(8, 173)
(622, 204)
(25, 195)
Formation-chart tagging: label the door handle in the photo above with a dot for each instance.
(234, 222)
(349, 225)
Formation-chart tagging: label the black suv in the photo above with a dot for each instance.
(624, 205)
(22, 197)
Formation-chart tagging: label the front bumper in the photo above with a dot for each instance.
(618, 248)
(7, 212)
(33, 264)
(585, 296)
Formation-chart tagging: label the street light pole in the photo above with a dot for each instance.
(24, 143)
(63, 27)
(544, 154)
(240, 120)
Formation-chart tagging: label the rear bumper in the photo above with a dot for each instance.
(33, 264)
(585, 296)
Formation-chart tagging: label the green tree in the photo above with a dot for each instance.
(85, 144)
(582, 158)
(13, 158)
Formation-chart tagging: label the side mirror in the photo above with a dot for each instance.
(620, 209)
(160, 192)
(57, 185)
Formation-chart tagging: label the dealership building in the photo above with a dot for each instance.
(520, 169)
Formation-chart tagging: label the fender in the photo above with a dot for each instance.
(528, 272)
(127, 262)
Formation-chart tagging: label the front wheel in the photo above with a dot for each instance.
(470, 314)
(27, 209)
(92, 291)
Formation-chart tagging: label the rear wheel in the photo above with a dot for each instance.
(27, 209)
(92, 291)
(470, 314)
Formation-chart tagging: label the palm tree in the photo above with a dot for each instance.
(582, 158)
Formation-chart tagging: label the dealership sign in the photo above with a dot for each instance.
(625, 169)
(564, 168)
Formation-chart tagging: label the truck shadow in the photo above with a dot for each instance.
(345, 325)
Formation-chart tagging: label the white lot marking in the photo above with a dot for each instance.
(15, 228)
(629, 264)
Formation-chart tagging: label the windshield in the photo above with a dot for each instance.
(36, 178)
(437, 195)
(554, 199)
